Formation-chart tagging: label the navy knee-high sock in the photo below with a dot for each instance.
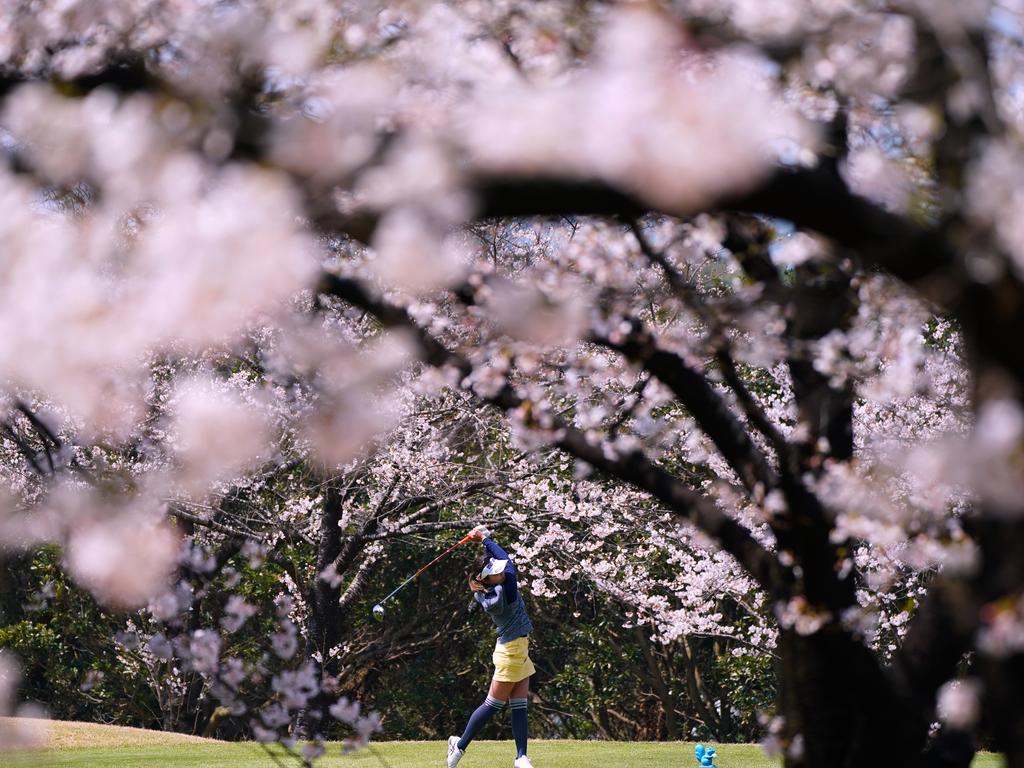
(479, 719)
(519, 730)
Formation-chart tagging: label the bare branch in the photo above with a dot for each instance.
(175, 510)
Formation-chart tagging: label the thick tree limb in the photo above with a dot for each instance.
(805, 530)
(687, 293)
(503, 197)
(813, 199)
(818, 200)
(356, 587)
(704, 404)
(941, 631)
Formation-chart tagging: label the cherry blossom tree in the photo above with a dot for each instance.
(742, 278)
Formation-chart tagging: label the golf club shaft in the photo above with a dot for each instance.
(391, 594)
(448, 551)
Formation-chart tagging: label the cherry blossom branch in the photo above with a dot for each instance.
(633, 468)
(47, 437)
(370, 530)
(57, 455)
(356, 585)
(704, 404)
(391, 316)
(236, 509)
(434, 527)
(753, 411)
(432, 502)
(23, 447)
(687, 293)
(636, 393)
(805, 531)
(680, 286)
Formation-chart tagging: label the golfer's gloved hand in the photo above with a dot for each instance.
(479, 533)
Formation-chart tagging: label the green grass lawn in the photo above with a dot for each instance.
(419, 754)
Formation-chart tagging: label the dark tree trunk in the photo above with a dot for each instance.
(1001, 665)
(1003, 678)
(951, 748)
(837, 706)
(324, 628)
(694, 687)
(325, 620)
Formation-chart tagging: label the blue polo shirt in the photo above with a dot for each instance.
(502, 602)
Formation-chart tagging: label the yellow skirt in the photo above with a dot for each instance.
(512, 660)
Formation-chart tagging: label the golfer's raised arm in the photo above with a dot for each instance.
(511, 583)
(495, 551)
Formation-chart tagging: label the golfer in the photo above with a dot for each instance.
(493, 582)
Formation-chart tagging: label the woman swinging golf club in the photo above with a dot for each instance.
(493, 582)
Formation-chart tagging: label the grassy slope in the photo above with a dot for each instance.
(59, 734)
(83, 745)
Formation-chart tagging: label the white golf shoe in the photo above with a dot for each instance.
(522, 762)
(454, 753)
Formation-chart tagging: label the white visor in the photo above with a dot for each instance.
(493, 567)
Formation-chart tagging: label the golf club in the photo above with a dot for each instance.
(378, 609)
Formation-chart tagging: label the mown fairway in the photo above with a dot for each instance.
(422, 754)
(87, 745)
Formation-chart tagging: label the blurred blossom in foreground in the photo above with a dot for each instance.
(1002, 632)
(205, 254)
(952, 470)
(124, 561)
(209, 39)
(869, 172)
(217, 433)
(334, 134)
(526, 314)
(221, 254)
(674, 135)
(412, 253)
(959, 703)
(797, 249)
(995, 196)
(355, 402)
(101, 138)
(995, 457)
(838, 57)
